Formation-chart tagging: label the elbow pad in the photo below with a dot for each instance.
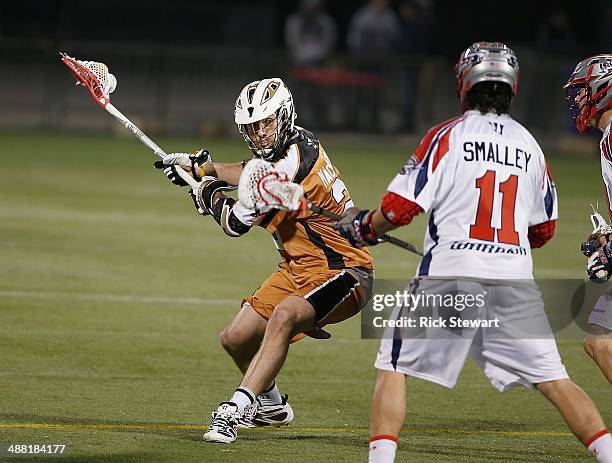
(223, 213)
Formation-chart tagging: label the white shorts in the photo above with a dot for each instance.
(601, 315)
(520, 351)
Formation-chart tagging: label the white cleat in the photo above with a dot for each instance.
(267, 415)
(222, 429)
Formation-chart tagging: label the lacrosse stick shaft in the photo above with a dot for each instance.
(147, 141)
(385, 238)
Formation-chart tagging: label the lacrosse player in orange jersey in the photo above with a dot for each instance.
(322, 278)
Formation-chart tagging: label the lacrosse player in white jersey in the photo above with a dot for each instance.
(589, 97)
(484, 182)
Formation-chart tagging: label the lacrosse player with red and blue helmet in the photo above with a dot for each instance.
(321, 280)
(589, 97)
(483, 180)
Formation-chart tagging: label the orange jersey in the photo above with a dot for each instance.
(306, 240)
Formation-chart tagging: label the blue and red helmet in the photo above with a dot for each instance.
(593, 77)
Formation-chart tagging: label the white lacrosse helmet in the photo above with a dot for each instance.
(258, 101)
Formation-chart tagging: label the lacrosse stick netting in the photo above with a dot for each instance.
(101, 83)
(94, 76)
(262, 188)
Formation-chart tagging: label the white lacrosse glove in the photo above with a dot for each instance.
(193, 162)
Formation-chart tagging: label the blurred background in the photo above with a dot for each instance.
(113, 289)
(357, 67)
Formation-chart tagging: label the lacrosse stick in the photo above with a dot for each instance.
(262, 188)
(100, 83)
(600, 226)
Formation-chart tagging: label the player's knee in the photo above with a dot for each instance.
(598, 348)
(282, 319)
(231, 339)
(589, 345)
(558, 389)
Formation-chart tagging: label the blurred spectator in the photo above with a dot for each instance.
(374, 33)
(417, 19)
(605, 30)
(555, 37)
(555, 34)
(311, 36)
(374, 28)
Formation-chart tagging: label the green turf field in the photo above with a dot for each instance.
(113, 291)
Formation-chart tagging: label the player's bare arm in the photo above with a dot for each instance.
(198, 165)
(229, 172)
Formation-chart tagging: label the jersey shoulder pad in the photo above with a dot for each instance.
(432, 137)
(301, 156)
(290, 163)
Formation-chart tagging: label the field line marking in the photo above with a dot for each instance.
(290, 430)
(115, 297)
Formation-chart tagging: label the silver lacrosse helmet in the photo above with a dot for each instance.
(486, 62)
(265, 117)
(594, 76)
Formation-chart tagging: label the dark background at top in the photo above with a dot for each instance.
(260, 23)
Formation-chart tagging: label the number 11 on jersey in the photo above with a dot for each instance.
(482, 229)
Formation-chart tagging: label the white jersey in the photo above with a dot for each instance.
(483, 180)
(606, 163)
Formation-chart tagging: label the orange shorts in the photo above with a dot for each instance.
(335, 294)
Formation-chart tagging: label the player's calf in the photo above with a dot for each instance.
(242, 337)
(599, 348)
(581, 416)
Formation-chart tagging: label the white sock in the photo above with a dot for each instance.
(382, 449)
(243, 398)
(600, 446)
(271, 396)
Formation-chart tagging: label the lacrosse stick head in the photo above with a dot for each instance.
(262, 188)
(600, 226)
(94, 76)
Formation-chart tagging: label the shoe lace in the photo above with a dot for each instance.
(223, 417)
(249, 413)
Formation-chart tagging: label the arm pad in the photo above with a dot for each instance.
(223, 213)
(541, 234)
(221, 208)
(399, 210)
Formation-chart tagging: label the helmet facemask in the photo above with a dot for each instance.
(576, 95)
(589, 91)
(267, 138)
